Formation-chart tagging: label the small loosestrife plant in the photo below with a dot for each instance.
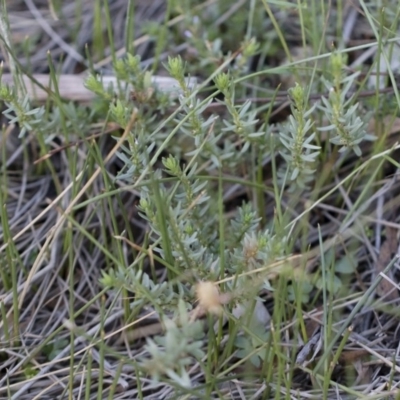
(180, 203)
(299, 152)
(20, 111)
(67, 120)
(348, 126)
(200, 132)
(172, 354)
(243, 119)
(298, 134)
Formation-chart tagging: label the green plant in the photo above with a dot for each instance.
(186, 217)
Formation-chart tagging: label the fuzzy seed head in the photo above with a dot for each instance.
(209, 297)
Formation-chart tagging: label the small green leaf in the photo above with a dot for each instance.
(333, 282)
(346, 265)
